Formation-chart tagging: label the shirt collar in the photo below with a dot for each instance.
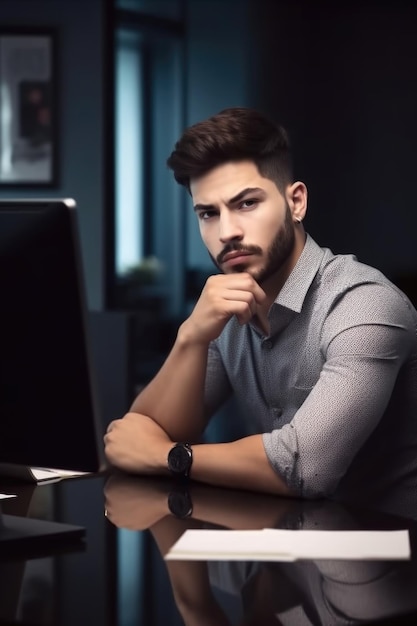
(295, 288)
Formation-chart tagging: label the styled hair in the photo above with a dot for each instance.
(234, 134)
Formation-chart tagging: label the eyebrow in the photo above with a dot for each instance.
(237, 198)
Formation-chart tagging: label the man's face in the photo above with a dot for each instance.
(245, 222)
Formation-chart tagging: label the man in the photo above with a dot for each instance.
(320, 350)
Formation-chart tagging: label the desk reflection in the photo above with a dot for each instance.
(59, 583)
(294, 594)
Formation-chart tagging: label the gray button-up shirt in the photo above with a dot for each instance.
(333, 388)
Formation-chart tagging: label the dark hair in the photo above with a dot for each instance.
(234, 134)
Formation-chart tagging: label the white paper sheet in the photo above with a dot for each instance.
(36, 475)
(290, 545)
(45, 474)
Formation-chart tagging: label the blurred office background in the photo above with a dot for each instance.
(130, 75)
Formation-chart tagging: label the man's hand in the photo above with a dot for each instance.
(136, 444)
(223, 296)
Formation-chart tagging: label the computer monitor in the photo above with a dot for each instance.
(49, 416)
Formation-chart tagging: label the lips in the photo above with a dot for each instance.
(236, 256)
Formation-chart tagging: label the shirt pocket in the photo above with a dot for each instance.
(300, 393)
(304, 383)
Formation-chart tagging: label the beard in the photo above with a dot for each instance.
(276, 256)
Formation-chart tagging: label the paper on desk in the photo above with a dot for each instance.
(45, 474)
(290, 545)
(3, 496)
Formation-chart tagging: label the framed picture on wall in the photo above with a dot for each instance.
(28, 141)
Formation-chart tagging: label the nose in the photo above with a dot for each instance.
(229, 227)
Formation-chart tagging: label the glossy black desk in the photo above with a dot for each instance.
(116, 576)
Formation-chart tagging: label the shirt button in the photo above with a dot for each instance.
(267, 344)
(277, 411)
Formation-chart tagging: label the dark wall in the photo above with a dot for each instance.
(216, 78)
(81, 58)
(343, 79)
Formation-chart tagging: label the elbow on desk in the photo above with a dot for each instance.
(314, 479)
(310, 478)
(312, 483)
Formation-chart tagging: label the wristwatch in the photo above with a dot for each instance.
(180, 503)
(180, 458)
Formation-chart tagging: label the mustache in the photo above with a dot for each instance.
(237, 247)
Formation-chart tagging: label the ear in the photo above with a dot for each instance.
(296, 195)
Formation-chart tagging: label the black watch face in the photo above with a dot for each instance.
(179, 460)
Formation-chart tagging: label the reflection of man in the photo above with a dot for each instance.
(303, 593)
(320, 350)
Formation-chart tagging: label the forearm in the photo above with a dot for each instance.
(138, 444)
(189, 579)
(174, 398)
(237, 509)
(241, 464)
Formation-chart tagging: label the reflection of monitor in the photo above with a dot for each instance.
(28, 551)
(48, 410)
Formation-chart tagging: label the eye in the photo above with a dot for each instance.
(206, 215)
(248, 204)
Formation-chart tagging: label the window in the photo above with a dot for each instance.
(129, 142)
(149, 117)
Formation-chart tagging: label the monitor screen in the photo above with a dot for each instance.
(48, 409)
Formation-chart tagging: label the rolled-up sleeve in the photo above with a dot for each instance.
(365, 340)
